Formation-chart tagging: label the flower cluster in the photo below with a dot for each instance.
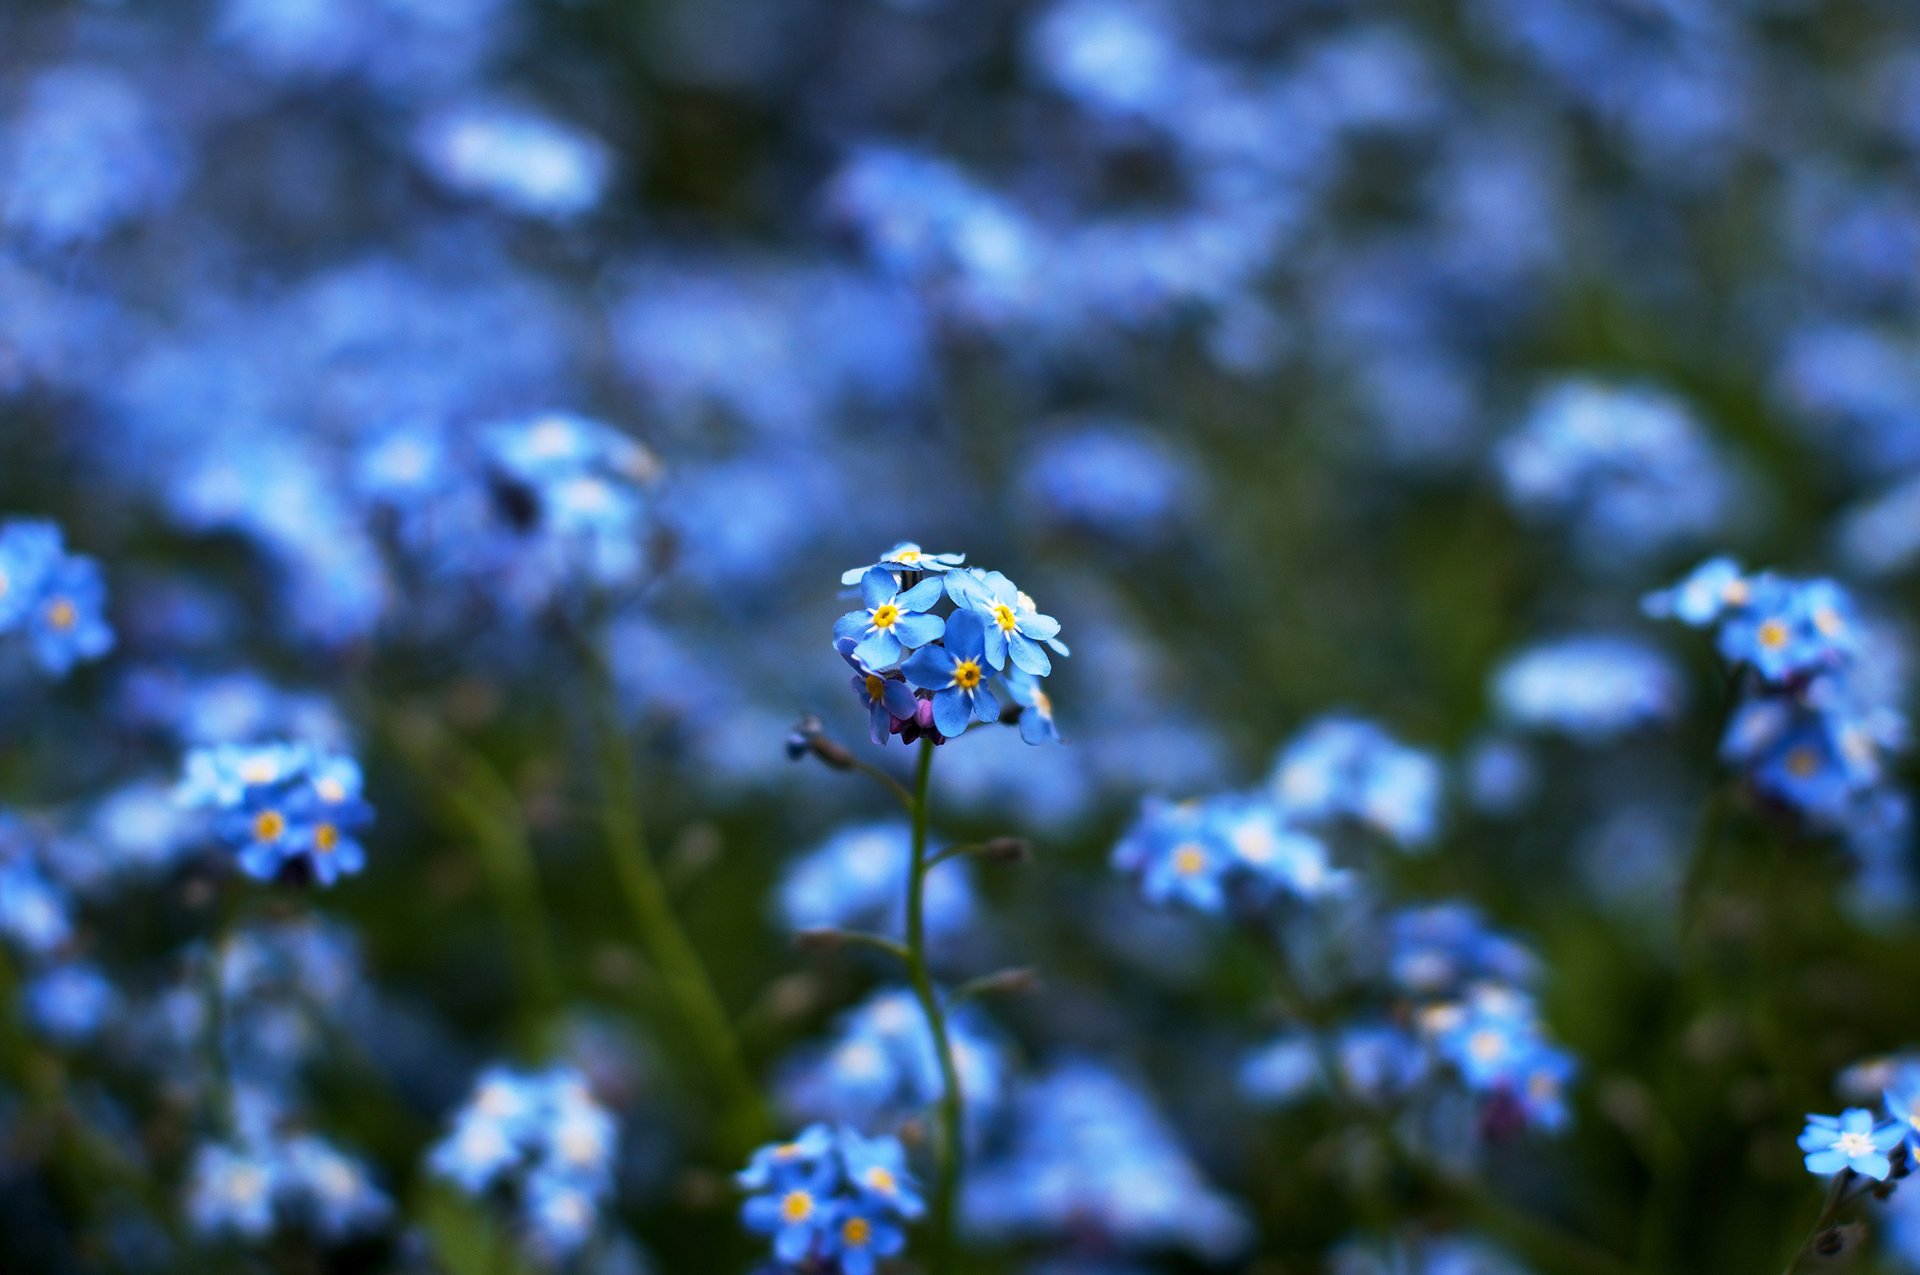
(1090, 1159)
(831, 1200)
(540, 1138)
(856, 880)
(1627, 468)
(1236, 851)
(287, 812)
(1342, 768)
(1815, 721)
(919, 673)
(52, 601)
(266, 1182)
(879, 1070)
(522, 512)
(1592, 688)
(1448, 1010)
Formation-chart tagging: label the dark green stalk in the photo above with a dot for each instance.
(682, 974)
(950, 1151)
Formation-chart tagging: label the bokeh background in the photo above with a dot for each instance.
(1300, 357)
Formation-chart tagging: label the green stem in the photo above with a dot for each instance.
(1829, 1210)
(481, 804)
(951, 1151)
(682, 974)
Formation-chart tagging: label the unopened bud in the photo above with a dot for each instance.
(1006, 850)
(819, 940)
(1021, 981)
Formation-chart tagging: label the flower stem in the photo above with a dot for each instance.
(1829, 1210)
(951, 1152)
(662, 938)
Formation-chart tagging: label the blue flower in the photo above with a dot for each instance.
(891, 622)
(28, 551)
(68, 623)
(887, 697)
(877, 1173)
(1903, 1104)
(282, 808)
(857, 1235)
(906, 557)
(1706, 594)
(1013, 627)
(1788, 628)
(70, 1003)
(792, 1187)
(956, 673)
(544, 1134)
(1851, 1140)
(1036, 719)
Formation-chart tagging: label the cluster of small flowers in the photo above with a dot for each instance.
(857, 878)
(1592, 688)
(918, 673)
(1344, 769)
(831, 1199)
(287, 812)
(1815, 720)
(1628, 469)
(1090, 1159)
(541, 1137)
(53, 600)
(1449, 1000)
(523, 512)
(267, 1182)
(1228, 852)
(879, 1068)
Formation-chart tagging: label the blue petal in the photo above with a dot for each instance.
(899, 699)
(985, 707)
(921, 596)
(1875, 1166)
(966, 635)
(930, 669)
(876, 587)
(1039, 626)
(852, 625)
(1828, 1161)
(961, 587)
(1028, 655)
(996, 645)
(951, 712)
(919, 629)
(879, 649)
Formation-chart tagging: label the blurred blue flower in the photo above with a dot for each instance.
(1592, 687)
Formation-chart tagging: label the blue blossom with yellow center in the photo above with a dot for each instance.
(832, 1197)
(891, 621)
(54, 599)
(1903, 1105)
(1789, 628)
(286, 812)
(1036, 717)
(906, 557)
(885, 695)
(1013, 627)
(1852, 1140)
(956, 673)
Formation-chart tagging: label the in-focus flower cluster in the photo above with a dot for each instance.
(541, 1140)
(831, 1200)
(52, 603)
(921, 673)
(287, 812)
(1816, 718)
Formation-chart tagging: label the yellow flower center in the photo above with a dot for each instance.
(61, 614)
(268, 825)
(1773, 635)
(325, 838)
(881, 1179)
(856, 1232)
(886, 615)
(966, 675)
(797, 1206)
(1486, 1045)
(907, 555)
(875, 685)
(1189, 860)
(1803, 762)
(1004, 617)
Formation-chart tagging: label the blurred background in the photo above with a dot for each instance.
(1303, 358)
